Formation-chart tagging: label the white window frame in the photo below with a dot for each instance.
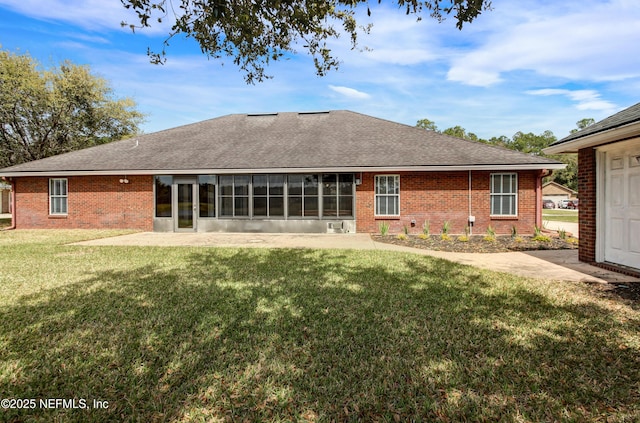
(56, 195)
(377, 195)
(513, 194)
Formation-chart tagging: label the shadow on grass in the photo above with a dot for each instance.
(295, 335)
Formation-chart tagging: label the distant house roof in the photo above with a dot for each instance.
(620, 126)
(284, 142)
(552, 188)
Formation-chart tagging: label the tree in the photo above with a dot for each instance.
(427, 124)
(583, 123)
(254, 33)
(460, 132)
(530, 143)
(48, 112)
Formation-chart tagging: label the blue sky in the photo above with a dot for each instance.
(527, 65)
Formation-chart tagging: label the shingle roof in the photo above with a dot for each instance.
(625, 117)
(337, 140)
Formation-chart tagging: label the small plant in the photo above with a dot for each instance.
(405, 229)
(463, 238)
(423, 236)
(402, 237)
(537, 235)
(562, 234)
(491, 234)
(573, 241)
(518, 239)
(514, 232)
(426, 228)
(445, 231)
(537, 231)
(384, 228)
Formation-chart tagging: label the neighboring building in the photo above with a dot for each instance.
(555, 192)
(335, 171)
(5, 198)
(609, 187)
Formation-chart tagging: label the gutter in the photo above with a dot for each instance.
(204, 171)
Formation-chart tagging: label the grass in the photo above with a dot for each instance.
(205, 334)
(560, 215)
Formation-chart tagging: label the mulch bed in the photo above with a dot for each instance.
(477, 243)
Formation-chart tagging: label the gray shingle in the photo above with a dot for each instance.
(336, 139)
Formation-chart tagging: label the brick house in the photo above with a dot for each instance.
(609, 187)
(556, 192)
(335, 171)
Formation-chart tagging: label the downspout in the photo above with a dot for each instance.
(12, 209)
(543, 174)
(469, 222)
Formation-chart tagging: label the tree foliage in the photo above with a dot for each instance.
(528, 143)
(254, 33)
(48, 112)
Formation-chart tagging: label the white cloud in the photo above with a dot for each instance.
(585, 99)
(594, 41)
(349, 92)
(93, 15)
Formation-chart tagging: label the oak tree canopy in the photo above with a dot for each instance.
(256, 32)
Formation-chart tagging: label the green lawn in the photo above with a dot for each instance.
(203, 334)
(560, 215)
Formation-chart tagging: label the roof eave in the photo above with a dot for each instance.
(620, 133)
(132, 172)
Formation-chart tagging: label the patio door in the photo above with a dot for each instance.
(185, 205)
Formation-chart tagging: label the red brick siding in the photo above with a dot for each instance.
(587, 211)
(440, 197)
(93, 202)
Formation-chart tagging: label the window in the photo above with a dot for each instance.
(504, 194)
(302, 195)
(207, 195)
(387, 195)
(268, 195)
(58, 196)
(234, 195)
(337, 195)
(163, 196)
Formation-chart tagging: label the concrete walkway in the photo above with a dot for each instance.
(552, 265)
(569, 227)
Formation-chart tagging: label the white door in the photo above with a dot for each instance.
(622, 206)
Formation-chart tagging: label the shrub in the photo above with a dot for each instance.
(384, 228)
(405, 229)
(423, 236)
(463, 238)
(402, 236)
(538, 236)
(491, 234)
(514, 231)
(445, 227)
(426, 228)
(562, 234)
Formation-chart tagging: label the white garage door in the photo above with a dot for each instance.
(622, 206)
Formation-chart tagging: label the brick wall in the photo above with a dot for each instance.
(440, 197)
(587, 210)
(94, 202)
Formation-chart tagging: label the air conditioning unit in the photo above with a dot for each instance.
(335, 227)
